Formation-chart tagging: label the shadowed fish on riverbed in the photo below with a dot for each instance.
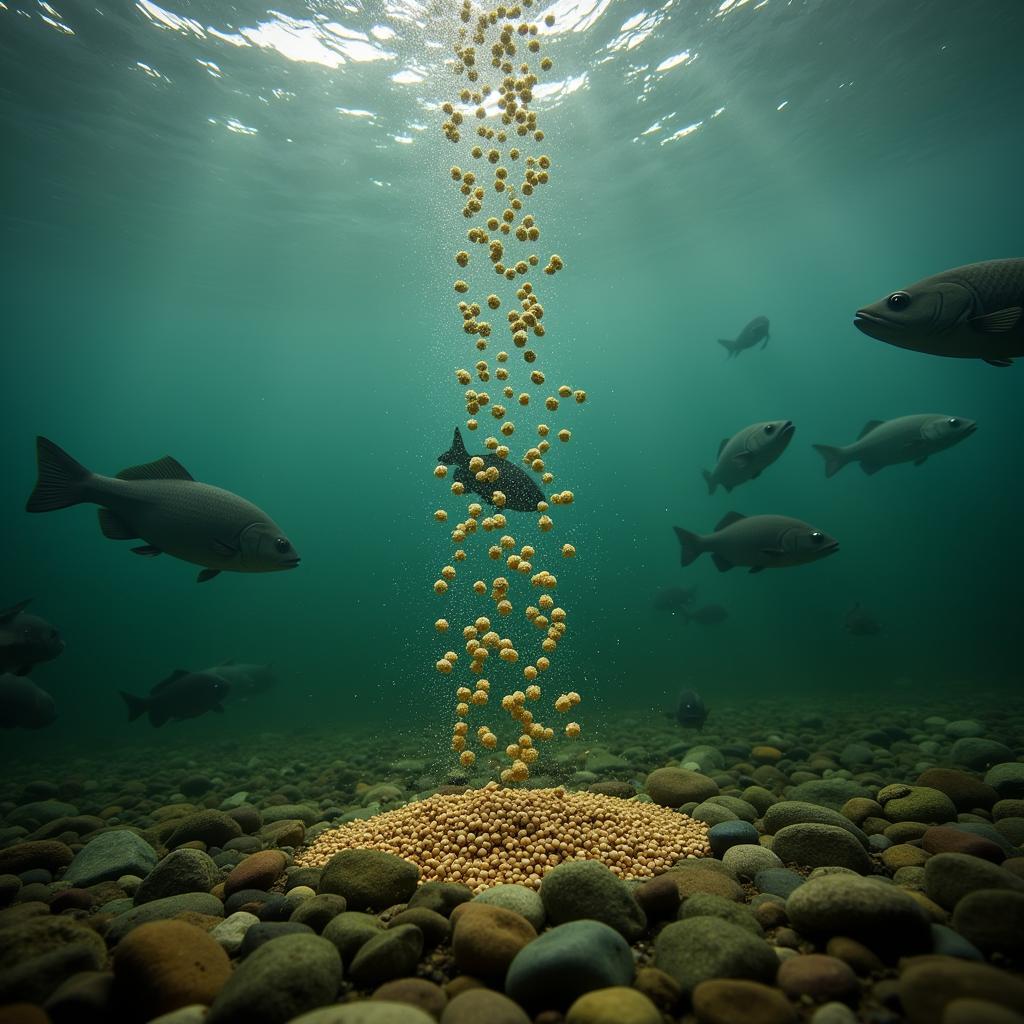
(690, 711)
(23, 705)
(182, 694)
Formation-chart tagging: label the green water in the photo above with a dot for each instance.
(229, 268)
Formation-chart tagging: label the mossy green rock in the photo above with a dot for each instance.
(586, 889)
(370, 879)
(916, 803)
(701, 948)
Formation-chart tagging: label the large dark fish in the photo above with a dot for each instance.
(756, 331)
(859, 621)
(26, 640)
(745, 455)
(23, 705)
(761, 542)
(521, 493)
(905, 439)
(690, 710)
(708, 615)
(672, 599)
(970, 312)
(182, 694)
(244, 680)
(160, 503)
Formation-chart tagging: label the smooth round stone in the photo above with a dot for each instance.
(747, 860)
(418, 992)
(615, 1005)
(799, 812)
(965, 789)
(979, 754)
(743, 809)
(180, 871)
(658, 897)
(819, 977)
(778, 881)
(367, 1011)
(916, 803)
(979, 1011)
(1012, 828)
(834, 1013)
(701, 948)
(946, 942)
(253, 899)
(859, 808)
(488, 938)
(266, 931)
(701, 876)
(109, 856)
(444, 897)
(993, 920)
(231, 931)
(481, 1004)
(165, 965)
(318, 910)
(712, 814)
(727, 834)
(586, 889)
(882, 916)
(707, 905)
(518, 898)
(1007, 779)
(816, 845)
(734, 1001)
(159, 910)
(258, 871)
(393, 953)
(943, 839)
(673, 787)
(370, 879)
(214, 828)
(878, 843)
(831, 792)
(282, 979)
(854, 953)
(929, 984)
(435, 928)
(350, 931)
(903, 855)
(568, 961)
(948, 877)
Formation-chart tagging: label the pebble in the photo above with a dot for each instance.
(165, 965)
(444, 897)
(291, 812)
(40, 812)
(48, 853)
(231, 931)
(943, 839)
(350, 931)
(728, 834)
(368, 1011)
(702, 948)
(915, 803)
(180, 871)
(614, 1005)
(979, 754)
(568, 961)
(947, 942)
(948, 877)
(831, 792)
(580, 889)
(698, 876)
(109, 856)
(435, 928)
(266, 931)
(212, 827)
(658, 898)
(833, 1013)
(814, 845)
(318, 910)
(708, 905)
(393, 953)
(966, 791)
(282, 979)
(1007, 779)
(747, 860)
(778, 881)
(287, 832)
(798, 812)
(370, 879)
(979, 1011)
(993, 920)
(673, 787)
(84, 998)
(819, 977)
(518, 898)
(882, 916)
(418, 992)
(487, 939)
(928, 984)
(735, 1001)
(854, 953)
(157, 910)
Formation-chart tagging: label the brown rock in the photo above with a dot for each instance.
(929, 983)
(463, 983)
(164, 965)
(23, 1013)
(727, 1001)
(43, 853)
(859, 808)
(258, 871)
(616, 1004)
(979, 1011)
(661, 988)
(673, 787)
(659, 898)
(693, 880)
(418, 992)
(286, 832)
(766, 755)
(487, 938)
(38, 935)
(1015, 865)
(435, 927)
(72, 899)
(943, 839)
(822, 978)
(854, 953)
(966, 791)
(481, 1004)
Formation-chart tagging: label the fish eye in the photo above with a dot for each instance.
(953, 421)
(770, 428)
(282, 545)
(816, 537)
(898, 300)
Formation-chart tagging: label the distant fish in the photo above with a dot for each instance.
(672, 599)
(756, 331)
(858, 621)
(26, 640)
(905, 439)
(182, 694)
(745, 455)
(690, 710)
(521, 493)
(23, 705)
(709, 615)
(971, 312)
(760, 542)
(160, 503)
(244, 680)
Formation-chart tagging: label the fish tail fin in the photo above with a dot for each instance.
(835, 458)
(710, 481)
(690, 544)
(729, 345)
(136, 705)
(457, 454)
(60, 479)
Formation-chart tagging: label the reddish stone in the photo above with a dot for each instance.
(943, 839)
(257, 871)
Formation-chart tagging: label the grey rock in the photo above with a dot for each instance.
(747, 860)
(392, 954)
(949, 877)
(110, 855)
(517, 898)
(980, 754)
(815, 845)
(705, 904)
(159, 910)
(180, 871)
(231, 931)
(798, 812)
(831, 792)
(349, 931)
(370, 879)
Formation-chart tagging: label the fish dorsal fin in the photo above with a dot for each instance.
(998, 321)
(15, 610)
(728, 519)
(721, 447)
(176, 674)
(868, 427)
(167, 468)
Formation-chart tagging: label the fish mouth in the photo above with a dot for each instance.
(787, 428)
(869, 324)
(968, 430)
(290, 563)
(831, 549)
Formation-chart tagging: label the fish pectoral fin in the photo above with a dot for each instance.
(998, 362)
(207, 574)
(113, 527)
(147, 551)
(998, 321)
(721, 564)
(765, 345)
(167, 468)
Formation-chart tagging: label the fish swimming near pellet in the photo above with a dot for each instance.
(905, 439)
(971, 312)
(672, 599)
(23, 705)
(746, 454)
(708, 615)
(182, 694)
(858, 621)
(756, 331)
(521, 493)
(690, 710)
(244, 680)
(26, 640)
(161, 504)
(760, 542)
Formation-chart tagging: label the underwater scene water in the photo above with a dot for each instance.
(237, 236)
